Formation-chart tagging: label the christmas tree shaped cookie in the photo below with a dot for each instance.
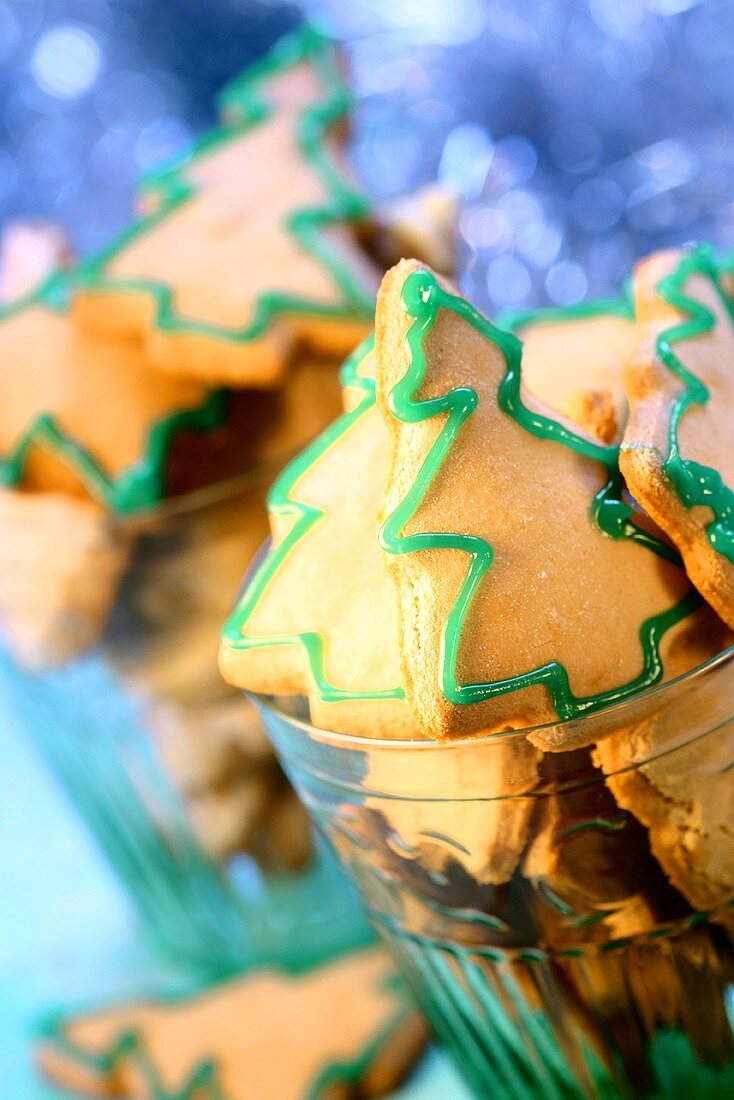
(248, 249)
(678, 448)
(344, 1029)
(318, 616)
(504, 532)
(85, 416)
(86, 429)
(573, 360)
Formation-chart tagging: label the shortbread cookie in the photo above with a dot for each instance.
(663, 785)
(84, 416)
(573, 361)
(344, 1030)
(423, 224)
(589, 864)
(212, 746)
(226, 821)
(60, 566)
(483, 833)
(163, 647)
(29, 253)
(683, 796)
(286, 839)
(504, 532)
(318, 617)
(308, 400)
(685, 646)
(250, 250)
(678, 448)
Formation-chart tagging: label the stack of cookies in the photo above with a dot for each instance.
(202, 345)
(524, 526)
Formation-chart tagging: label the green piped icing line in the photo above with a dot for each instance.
(247, 104)
(694, 483)
(283, 502)
(142, 484)
(128, 1048)
(516, 320)
(423, 297)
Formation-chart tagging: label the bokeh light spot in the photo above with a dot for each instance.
(66, 61)
(566, 283)
(508, 281)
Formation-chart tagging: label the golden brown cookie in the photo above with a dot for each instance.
(308, 400)
(573, 361)
(485, 832)
(504, 532)
(422, 223)
(318, 617)
(60, 566)
(226, 821)
(589, 862)
(341, 1031)
(683, 796)
(85, 416)
(678, 448)
(249, 251)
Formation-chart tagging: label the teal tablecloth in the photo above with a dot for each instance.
(65, 934)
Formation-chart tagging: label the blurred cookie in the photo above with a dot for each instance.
(86, 416)
(589, 863)
(683, 797)
(678, 448)
(225, 821)
(249, 251)
(498, 517)
(422, 223)
(60, 566)
(342, 1031)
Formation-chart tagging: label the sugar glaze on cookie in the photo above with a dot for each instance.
(49, 441)
(432, 348)
(246, 249)
(677, 453)
(318, 616)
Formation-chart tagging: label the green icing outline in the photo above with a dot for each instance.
(422, 299)
(694, 483)
(622, 306)
(139, 486)
(202, 1083)
(305, 224)
(282, 503)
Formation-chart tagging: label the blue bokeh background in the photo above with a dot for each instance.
(583, 133)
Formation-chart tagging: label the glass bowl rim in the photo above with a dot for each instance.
(355, 741)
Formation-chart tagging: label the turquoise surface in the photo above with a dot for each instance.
(65, 934)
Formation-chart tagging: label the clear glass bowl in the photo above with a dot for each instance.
(168, 766)
(559, 944)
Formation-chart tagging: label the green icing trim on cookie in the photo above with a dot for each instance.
(422, 299)
(128, 1048)
(694, 483)
(140, 485)
(283, 502)
(203, 1079)
(247, 100)
(622, 307)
